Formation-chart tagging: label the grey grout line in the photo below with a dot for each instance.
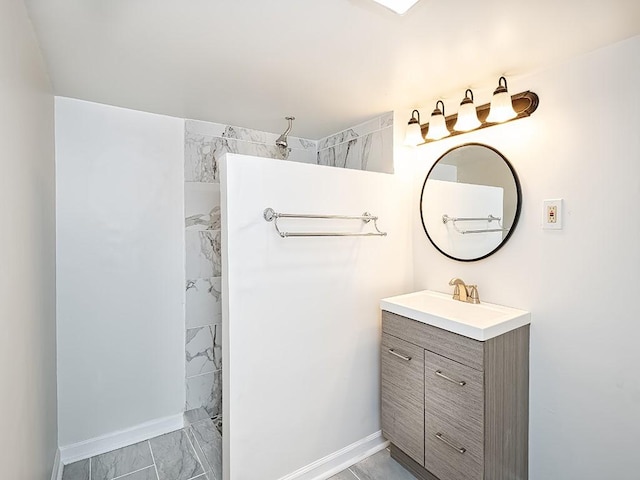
(202, 326)
(202, 450)
(153, 457)
(205, 373)
(195, 452)
(353, 473)
(136, 471)
(202, 374)
(268, 144)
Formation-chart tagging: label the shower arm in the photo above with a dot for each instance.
(288, 130)
(282, 139)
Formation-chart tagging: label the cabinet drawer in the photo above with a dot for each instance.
(448, 455)
(402, 395)
(454, 393)
(451, 345)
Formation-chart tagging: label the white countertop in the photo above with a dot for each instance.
(480, 322)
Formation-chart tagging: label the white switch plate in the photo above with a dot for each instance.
(552, 214)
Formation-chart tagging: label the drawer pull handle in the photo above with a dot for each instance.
(392, 352)
(462, 383)
(440, 437)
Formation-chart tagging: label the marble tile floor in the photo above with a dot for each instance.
(195, 452)
(376, 467)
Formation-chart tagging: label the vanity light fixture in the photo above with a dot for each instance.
(438, 125)
(467, 114)
(503, 108)
(413, 135)
(399, 6)
(501, 104)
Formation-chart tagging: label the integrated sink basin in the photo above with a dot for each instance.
(480, 322)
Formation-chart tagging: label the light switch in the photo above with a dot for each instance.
(552, 214)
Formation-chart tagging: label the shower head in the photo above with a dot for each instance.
(282, 139)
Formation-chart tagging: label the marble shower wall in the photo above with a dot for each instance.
(368, 146)
(206, 143)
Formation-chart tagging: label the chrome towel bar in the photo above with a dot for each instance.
(270, 215)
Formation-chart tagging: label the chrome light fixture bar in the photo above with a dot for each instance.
(503, 108)
(399, 6)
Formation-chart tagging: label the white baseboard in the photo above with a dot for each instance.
(112, 441)
(336, 462)
(56, 471)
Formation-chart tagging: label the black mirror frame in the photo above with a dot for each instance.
(518, 207)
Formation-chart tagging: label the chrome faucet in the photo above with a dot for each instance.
(463, 292)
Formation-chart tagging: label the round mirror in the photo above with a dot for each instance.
(470, 202)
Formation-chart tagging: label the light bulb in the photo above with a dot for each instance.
(438, 124)
(413, 135)
(467, 114)
(501, 104)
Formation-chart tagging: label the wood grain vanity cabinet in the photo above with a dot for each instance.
(455, 408)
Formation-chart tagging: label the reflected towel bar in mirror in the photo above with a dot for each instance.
(271, 215)
(446, 218)
(490, 218)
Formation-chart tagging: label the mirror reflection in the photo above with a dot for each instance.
(470, 202)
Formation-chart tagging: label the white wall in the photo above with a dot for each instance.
(580, 283)
(302, 318)
(120, 271)
(27, 253)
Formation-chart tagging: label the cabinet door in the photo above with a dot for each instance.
(454, 419)
(403, 396)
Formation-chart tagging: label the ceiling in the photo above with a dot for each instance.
(331, 63)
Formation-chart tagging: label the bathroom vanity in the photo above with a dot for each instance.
(455, 387)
